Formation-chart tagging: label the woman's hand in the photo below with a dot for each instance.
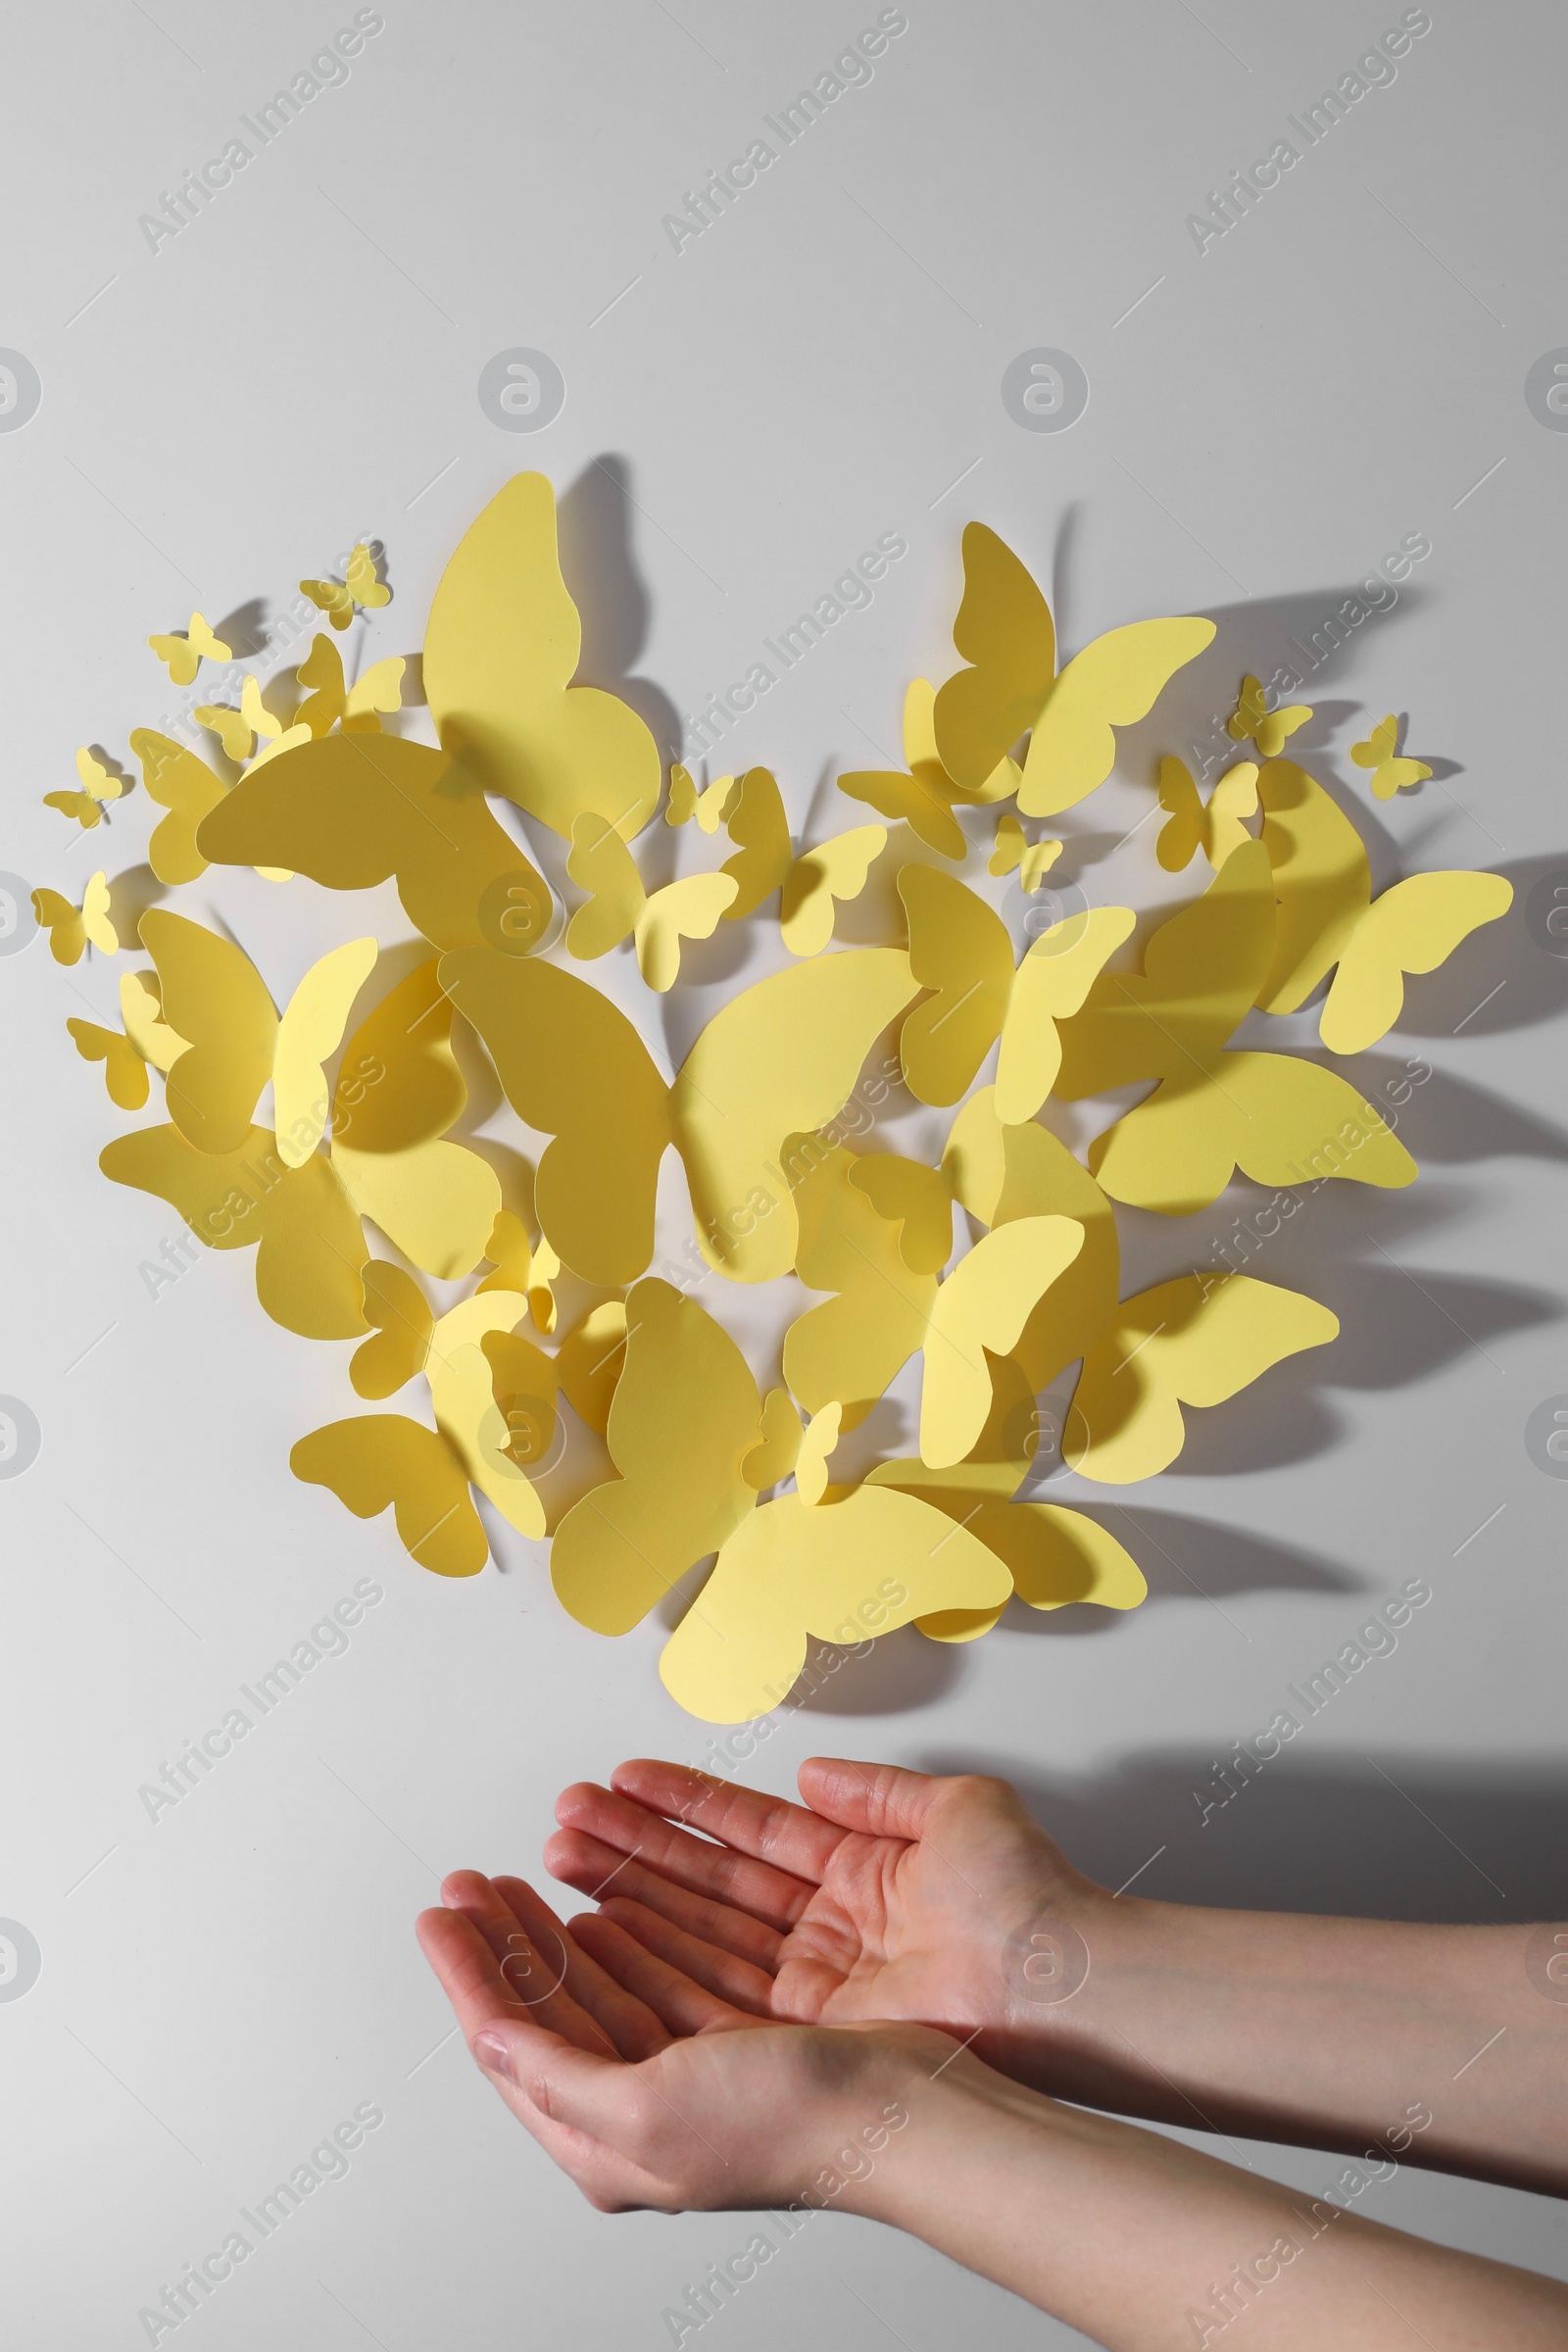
(889, 1895)
(666, 2096)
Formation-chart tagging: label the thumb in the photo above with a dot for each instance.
(573, 2088)
(882, 1800)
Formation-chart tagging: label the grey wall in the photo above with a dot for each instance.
(1267, 419)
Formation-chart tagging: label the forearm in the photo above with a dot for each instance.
(1425, 2045)
(1144, 2244)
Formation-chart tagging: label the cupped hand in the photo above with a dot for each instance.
(654, 2092)
(889, 1895)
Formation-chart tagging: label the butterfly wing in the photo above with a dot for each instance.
(839, 1572)
(309, 1033)
(1196, 1342)
(961, 948)
(349, 810)
(398, 1090)
(1179, 839)
(1249, 711)
(377, 689)
(361, 581)
(1233, 799)
(125, 1071)
(602, 865)
(332, 598)
(1275, 729)
(984, 1304)
(79, 805)
(503, 642)
(1005, 632)
(206, 646)
(375, 1459)
(780, 1058)
(1278, 1119)
(310, 1246)
(908, 1194)
(1111, 683)
(322, 671)
(1050, 985)
(231, 730)
(63, 922)
(689, 908)
(214, 996)
(833, 869)
(1411, 928)
(141, 1010)
(462, 1399)
(684, 1415)
(761, 831)
(574, 1068)
(1378, 745)
(178, 781)
(400, 1339)
(1322, 879)
(96, 922)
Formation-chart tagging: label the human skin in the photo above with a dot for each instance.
(898, 1896)
(651, 2092)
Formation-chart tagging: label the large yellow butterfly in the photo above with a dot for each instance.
(1328, 916)
(183, 657)
(807, 885)
(782, 1057)
(1278, 1119)
(499, 653)
(619, 907)
(685, 1425)
(1379, 753)
(1006, 633)
(961, 948)
(1215, 825)
(71, 928)
(351, 810)
(925, 797)
(98, 786)
(359, 586)
(1270, 730)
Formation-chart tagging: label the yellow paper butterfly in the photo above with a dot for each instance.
(359, 586)
(780, 1058)
(1006, 633)
(349, 810)
(377, 689)
(1280, 1120)
(1328, 915)
(619, 907)
(807, 885)
(71, 928)
(1014, 850)
(1215, 825)
(183, 657)
(925, 798)
(124, 1070)
(687, 801)
(847, 1350)
(961, 948)
(141, 1008)
(1269, 729)
(98, 786)
(1389, 773)
(499, 653)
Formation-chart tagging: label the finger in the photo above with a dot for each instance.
(583, 1862)
(881, 1800)
(684, 2006)
(534, 1974)
(735, 1981)
(533, 2070)
(695, 1863)
(770, 1828)
(634, 2030)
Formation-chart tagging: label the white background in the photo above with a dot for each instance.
(1266, 420)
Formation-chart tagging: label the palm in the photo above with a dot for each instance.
(796, 1915)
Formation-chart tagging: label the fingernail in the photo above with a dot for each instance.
(493, 2054)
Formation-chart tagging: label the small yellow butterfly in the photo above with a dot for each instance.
(619, 907)
(354, 707)
(239, 730)
(125, 1071)
(72, 928)
(86, 807)
(1034, 859)
(183, 656)
(1269, 729)
(1214, 827)
(686, 801)
(359, 586)
(1389, 773)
